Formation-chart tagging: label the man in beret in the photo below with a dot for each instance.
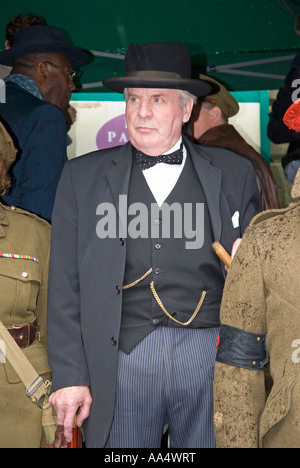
(37, 90)
(135, 289)
(209, 126)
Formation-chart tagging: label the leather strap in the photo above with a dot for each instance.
(24, 335)
(36, 388)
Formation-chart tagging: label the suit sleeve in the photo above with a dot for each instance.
(239, 393)
(41, 311)
(65, 346)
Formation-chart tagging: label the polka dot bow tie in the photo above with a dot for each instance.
(146, 161)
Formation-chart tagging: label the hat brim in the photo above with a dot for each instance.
(224, 100)
(292, 116)
(196, 87)
(75, 55)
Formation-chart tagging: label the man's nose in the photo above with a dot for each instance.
(72, 85)
(144, 109)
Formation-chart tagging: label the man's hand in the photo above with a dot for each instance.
(66, 402)
(235, 247)
(234, 250)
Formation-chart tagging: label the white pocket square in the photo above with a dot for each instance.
(236, 219)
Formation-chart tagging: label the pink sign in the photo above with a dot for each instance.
(113, 133)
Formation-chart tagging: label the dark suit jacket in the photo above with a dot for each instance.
(39, 132)
(86, 273)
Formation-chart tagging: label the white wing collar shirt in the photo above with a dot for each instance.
(162, 177)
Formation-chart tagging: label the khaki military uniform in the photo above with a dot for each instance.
(262, 297)
(23, 289)
(23, 286)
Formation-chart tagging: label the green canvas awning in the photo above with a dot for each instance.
(248, 45)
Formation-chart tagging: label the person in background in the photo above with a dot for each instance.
(257, 374)
(24, 263)
(209, 126)
(19, 22)
(279, 133)
(15, 24)
(133, 314)
(38, 89)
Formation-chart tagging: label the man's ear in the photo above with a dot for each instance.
(42, 70)
(188, 110)
(215, 115)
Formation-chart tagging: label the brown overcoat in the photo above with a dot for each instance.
(262, 296)
(226, 136)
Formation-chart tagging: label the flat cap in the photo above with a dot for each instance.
(222, 97)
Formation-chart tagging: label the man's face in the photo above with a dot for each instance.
(58, 87)
(154, 118)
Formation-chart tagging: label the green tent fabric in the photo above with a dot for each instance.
(248, 45)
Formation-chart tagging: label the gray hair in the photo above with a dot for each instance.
(185, 96)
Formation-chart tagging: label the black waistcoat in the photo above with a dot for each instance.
(180, 274)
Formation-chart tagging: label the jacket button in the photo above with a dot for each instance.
(118, 290)
(155, 321)
(113, 341)
(218, 419)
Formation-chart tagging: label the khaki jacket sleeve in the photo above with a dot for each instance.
(41, 310)
(239, 394)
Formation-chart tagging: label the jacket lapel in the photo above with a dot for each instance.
(210, 178)
(118, 179)
(119, 175)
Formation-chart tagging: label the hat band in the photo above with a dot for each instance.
(152, 74)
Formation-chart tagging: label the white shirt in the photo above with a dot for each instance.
(162, 177)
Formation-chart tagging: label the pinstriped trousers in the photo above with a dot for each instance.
(167, 379)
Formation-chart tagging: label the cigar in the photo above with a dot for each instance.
(222, 253)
